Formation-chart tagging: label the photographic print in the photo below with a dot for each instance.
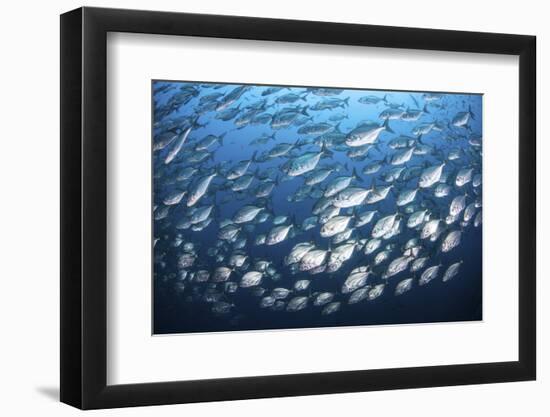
(284, 207)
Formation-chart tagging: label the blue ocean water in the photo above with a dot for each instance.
(184, 303)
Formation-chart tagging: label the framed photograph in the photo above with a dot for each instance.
(258, 208)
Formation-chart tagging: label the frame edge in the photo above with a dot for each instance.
(70, 220)
(527, 136)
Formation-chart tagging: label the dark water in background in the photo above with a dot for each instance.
(459, 299)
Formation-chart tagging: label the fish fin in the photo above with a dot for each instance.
(386, 126)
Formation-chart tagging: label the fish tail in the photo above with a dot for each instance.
(425, 109)
(325, 150)
(414, 100)
(386, 126)
(304, 111)
(356, 175)
(385, 98)
(471, 112)
(346, 102)
(195, 124)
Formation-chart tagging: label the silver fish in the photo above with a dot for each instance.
(384, 225)
(419, 264)
(396, 266)
(451, 271)
(429, 274)
(359, 295)
(403, 286)
(246, 214)
(464, 176)
(335, 225)
(364, 218)
(406, 196)
(277, 234)
(323, 298)
(313, 259)
(356, 279)
(301, 285)
(367, 133)
(457, 205)
(298, 252)
(350, 197)
(177, 147)
(430, 176)
(297, 304)
(451, 241)
(372, 245)
(417, 218)
(376, 291)
(303, 163)
(331, 308)
(199, 190)
(251, 279)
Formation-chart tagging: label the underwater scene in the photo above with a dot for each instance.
(281, 207)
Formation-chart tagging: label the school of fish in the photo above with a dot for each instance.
(382, 197)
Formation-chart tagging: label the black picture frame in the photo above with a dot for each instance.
(84, 207)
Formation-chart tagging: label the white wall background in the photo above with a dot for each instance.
(29, 225)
